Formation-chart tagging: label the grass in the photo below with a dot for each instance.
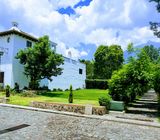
(85, 96)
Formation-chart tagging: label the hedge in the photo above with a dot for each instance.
(96, 84)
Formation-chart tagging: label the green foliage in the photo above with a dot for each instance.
(16, 87)
(40, 62)
(130, 48)
(105, 101)
(157, 79)
(96, 84)
(7, 88)
(1, 88)
(132, 80)
(70, 99)
(107, 60)
(152, 52)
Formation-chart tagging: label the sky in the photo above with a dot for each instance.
(80, 26)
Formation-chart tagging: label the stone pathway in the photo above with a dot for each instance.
(52, 126)
(144, 109)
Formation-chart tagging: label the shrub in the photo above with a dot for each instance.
(44, 88)
(70, 99)
(59, 89)
(34, 85)
(54, 90)
(25, 88)
(7, 91)
(66, 89)
(105, 101)
(132, 80)
(16, 87)
(96, 84)
(157, 80)
(1, 88)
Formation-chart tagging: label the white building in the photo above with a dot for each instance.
(11, 72)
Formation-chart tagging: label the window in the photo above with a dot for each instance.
(8, 39)
(80, 71)
(28, 44)
(1, 77)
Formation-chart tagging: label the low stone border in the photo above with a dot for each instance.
(82, 109)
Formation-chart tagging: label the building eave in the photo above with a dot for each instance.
(20, 33)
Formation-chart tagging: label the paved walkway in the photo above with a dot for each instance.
(52, 126)
(144, 109)
(147, 106)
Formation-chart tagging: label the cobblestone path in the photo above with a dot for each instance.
(50, 126)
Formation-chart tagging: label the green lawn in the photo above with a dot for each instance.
(85, 96)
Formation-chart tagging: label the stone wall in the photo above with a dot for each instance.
(96, 110)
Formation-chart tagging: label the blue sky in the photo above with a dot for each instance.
(80, 26)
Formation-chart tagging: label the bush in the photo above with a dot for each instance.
(105, 101)
(70, 99)
(25, 88)
(132, 80)
(34, 85)
(44, 88)
(59, 89)
(7, 91)
(1, 88)
(157, 80)
(16, 87)
(54, 90)
(96, 84)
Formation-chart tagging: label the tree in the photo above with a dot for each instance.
(155, 25)
(100, 60)
(107, 60)
(40, 62)
(152, 52)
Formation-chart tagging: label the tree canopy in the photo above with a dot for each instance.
(152, 52)
(155, 25)
(107, 59)
(40, 62)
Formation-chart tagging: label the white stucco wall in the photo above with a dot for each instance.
(13, 71)
(18, 75)
(6, 59)
(70, 76)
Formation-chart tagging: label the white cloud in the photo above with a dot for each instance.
(83, 53)
(97, 23)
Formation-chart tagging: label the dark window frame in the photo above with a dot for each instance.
(28, 43)
(80, 71)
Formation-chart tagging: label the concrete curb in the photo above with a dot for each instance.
(105, 118)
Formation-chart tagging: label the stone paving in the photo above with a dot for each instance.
(51, 126)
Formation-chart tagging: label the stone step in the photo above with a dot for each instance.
(136, 105)
(145, 102)
(142, 111)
